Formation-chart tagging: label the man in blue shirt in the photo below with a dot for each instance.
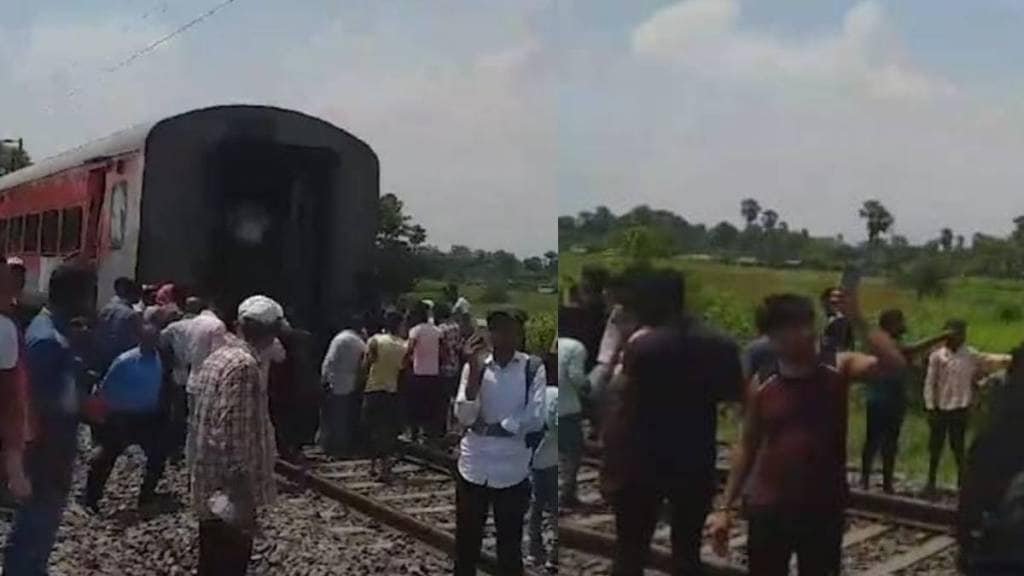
(117, 325)
(53, 396)
(131, 393)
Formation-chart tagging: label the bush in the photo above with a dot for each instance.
(540, 333)
(926, 277)
(1009, 313)
(495, 292)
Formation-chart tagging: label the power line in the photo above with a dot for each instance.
(131, 58)
(168, 37)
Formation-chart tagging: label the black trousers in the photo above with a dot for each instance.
(114, 436)
(884, 421)
(177, 420)
(427, 405)
(472, 503)
(942, 423)
(224, 550)
(774, 536)
(637, 509)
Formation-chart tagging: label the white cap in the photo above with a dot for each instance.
(15, 261)
(261, 309)
(461, 306)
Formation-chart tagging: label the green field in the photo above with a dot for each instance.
(541, 308)
(727, 296)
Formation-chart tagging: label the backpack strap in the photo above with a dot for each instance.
(533, 364)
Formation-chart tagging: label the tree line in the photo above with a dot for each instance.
(764, 236)
(403, 257)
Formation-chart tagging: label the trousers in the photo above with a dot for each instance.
(472, 504)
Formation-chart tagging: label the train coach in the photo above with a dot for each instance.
(230, 200)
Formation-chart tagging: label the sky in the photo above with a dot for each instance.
(456, 98)
(491, 118)
(809, 107)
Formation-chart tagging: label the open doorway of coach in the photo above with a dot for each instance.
(271, 231)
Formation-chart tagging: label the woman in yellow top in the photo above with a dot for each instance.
(385, 357)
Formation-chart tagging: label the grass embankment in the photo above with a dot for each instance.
(728, 295)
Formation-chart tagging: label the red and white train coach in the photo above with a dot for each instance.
(229, 200)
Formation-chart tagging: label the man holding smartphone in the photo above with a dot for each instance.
(500, 400)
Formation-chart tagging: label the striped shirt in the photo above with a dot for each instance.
(949, 384)
(234, 444)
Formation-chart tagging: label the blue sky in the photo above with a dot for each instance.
(491, 118)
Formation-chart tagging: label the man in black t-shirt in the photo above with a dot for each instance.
(838, 333)
(659, 435)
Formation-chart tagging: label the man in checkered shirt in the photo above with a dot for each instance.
(233, 470)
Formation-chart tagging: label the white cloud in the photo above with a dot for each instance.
(707, 109)
(861, 56)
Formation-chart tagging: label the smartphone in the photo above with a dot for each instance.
(850, 280)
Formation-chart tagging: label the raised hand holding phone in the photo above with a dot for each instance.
(475, 351)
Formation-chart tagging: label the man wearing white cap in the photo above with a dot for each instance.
(233, 469)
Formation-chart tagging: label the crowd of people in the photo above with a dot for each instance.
(650, 377)
(169, 373)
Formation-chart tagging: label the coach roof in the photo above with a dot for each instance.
(128, 140)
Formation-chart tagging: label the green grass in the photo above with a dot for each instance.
(728, 295)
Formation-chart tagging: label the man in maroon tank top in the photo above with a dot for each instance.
(792, 459)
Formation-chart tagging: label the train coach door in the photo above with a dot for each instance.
(97, 187)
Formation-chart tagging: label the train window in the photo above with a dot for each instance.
(118, 213)
(14, 236)
(31, 233)
(71, 230)
(51, 227)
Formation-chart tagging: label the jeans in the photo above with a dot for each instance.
(545, 499)
(636, 515)
(49, 463)
(774, 536)
(884, 421)
(472, 503)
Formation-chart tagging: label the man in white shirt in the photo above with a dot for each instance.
(426, 391)
(545, 484)
(339, 374)
(206, 333)
(500, 400)
(174, 346)
(953, 371)
(572, 380)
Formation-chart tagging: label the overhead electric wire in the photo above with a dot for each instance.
(131, 58)
(169, 36)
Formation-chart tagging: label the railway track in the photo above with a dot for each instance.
(885, 535)
(419, 501)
